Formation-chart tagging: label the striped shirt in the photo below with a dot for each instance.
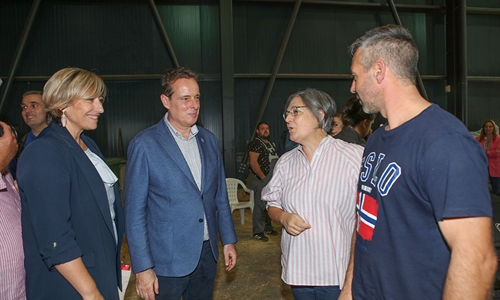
(12, 274)
(323, 193)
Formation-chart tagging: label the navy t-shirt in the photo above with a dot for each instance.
(428, 169)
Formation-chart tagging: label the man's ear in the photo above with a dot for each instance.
(165, 101)
(380, 69)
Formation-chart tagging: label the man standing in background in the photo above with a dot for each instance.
(34, 115)
(261, 154)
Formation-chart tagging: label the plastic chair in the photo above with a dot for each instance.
(232, 193)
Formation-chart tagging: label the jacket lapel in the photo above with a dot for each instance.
(90, 173)
(167, 140)
(200, 138)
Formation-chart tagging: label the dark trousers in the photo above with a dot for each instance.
(315, 292)
(495, 185)
(260, 219)
(197, 285)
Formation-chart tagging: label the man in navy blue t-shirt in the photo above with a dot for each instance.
(424, 209)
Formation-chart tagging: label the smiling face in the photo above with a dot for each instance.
(304, 125)
(83, 114)
(363, 85)
(184, 104)
(33, 112)
(488, 128)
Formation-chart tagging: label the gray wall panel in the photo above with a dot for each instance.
(484, 103)
(116, 37)
(483, 44)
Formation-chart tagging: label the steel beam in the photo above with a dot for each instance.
(462, 87)
(358, 5)
(227, 85)
(19, 51)
(217, 77)
(163, 32)
(274, 73)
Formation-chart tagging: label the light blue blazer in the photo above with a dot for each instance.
(164, 209)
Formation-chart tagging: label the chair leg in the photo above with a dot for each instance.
(242, 215)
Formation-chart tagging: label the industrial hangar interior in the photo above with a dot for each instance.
(250, 55)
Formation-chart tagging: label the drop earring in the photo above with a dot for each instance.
(64, 119)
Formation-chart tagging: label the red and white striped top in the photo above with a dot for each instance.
(323, 193)
(12, 274)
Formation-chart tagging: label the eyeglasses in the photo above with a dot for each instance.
(294, 110)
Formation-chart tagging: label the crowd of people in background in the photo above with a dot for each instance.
(400, 213)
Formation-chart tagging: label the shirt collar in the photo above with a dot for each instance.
(177, 134)
(323, 142)
(3, 182)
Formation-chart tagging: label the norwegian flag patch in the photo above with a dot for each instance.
(367, 208)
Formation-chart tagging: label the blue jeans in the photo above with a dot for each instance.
(315, 292)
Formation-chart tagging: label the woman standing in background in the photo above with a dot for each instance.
(491, 145)
(357, 123)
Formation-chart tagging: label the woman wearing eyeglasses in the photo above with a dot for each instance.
(313, 194)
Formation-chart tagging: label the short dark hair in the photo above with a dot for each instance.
(258, 125)
(353, 114)
(171, 76)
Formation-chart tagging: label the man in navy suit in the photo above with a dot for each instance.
(176, 199)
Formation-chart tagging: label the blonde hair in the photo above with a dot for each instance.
(68, 85)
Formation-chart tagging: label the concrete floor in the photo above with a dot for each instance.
(257, 274)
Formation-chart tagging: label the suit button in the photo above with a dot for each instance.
(200, 220)
(202, 197)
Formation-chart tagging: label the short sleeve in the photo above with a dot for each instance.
(456, 181)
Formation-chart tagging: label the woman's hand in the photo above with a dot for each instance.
(293, 223)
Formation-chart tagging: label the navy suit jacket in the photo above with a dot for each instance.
(164, 209)
(66, 215)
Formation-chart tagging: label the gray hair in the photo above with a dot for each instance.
(394, 45)
(317, 100)
(32, 93)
